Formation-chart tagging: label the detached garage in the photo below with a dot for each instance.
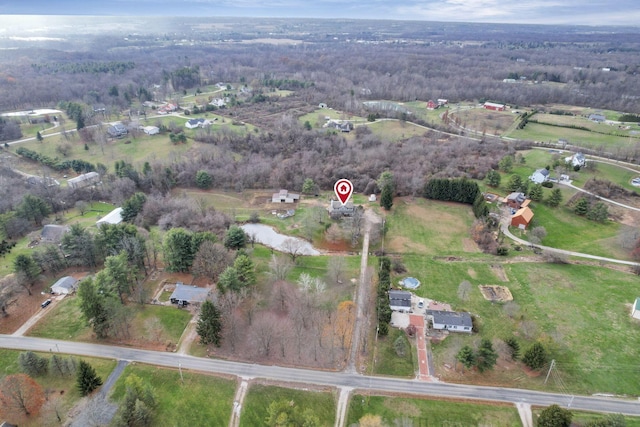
(64, 286)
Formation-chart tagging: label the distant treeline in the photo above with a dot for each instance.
(92, 67)
(78, 166)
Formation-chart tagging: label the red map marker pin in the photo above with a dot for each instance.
(343, 189)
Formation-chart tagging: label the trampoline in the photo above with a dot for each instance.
(410, 283)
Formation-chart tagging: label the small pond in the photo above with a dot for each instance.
(271, 238)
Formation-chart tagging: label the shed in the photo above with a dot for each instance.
(450, 320)
(283, 196)
(113, 217)
(400, 301)
(185, 295)
(151, 130)
(64, 286)
(635, 310)
(522, 218)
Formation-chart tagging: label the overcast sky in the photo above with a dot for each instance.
(587, 12)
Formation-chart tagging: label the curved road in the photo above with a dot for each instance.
(333, 379)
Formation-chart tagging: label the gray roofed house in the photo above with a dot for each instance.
(117, 130)
(53, 233)
(185, 294)
(400, 301)
(450, 320)
(598, 118)
(337, 209)
(64, 286)
(84, 180)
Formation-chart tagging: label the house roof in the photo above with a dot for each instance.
(83, 177)
(636, 305)
(493, 104)
(516, 196)
(543, 171)
(453, 318)
(189, 293)
(336, 204)
(53, 232)
(113, 217)
(526, 214)
(66, 282)
(400, 298)
(597, 117)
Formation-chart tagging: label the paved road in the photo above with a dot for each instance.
(334, 379)
(613, 202)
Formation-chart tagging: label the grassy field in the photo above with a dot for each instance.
(387, 360)
(583, 138)
(581, 418)
(64, 322)
(395, 130)
(61, 390)
(259, 397)
(422, 412)
(198, 401)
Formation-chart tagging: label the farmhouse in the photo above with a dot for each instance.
(431, 105)
(493, 106)
(65, 286)
(151, 130)
(450, 320)
(540, 176)
(197, 123)
(522, 218)
(337, 209)
(577, 159)
(117, 130)
(635, 310)
(442, 102)
(167, 108)
(84, 180)
(184, 295)
(283, 196)
(400, 301)
(52, 233)
(113, 217)
(516, 200)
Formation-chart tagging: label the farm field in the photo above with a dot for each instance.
(395, 130)
(418, 412)
(177, 398)
(259, 397)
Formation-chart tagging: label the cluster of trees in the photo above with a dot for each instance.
(286, 412)
(595, 211)
(383, 308)
(484, 358)
(137, 409)
(78, 166)
(9, 130)
(452, 190)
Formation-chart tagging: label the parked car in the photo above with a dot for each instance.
(46, 303)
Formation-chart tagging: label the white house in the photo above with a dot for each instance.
(450, 320)
(577, 159)
(64, 286)
(635, 310)
(197, 123)
(400, 301)
(84, 180)
(540, 176)
(113, 217)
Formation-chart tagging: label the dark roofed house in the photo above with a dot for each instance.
(400, 301)
(598, 118)
(450, 320)
(184, 295)
(117, 130)
(337, 209)
(52, 233)
(515, 200)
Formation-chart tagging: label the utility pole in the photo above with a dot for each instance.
(180, 368)
(553, 363)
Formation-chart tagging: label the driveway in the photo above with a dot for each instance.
(36, 317)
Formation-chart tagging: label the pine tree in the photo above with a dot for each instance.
(39, 136)
(493, 178)
(385, 182)
(599, 212)
(535, 357)
(581, 207)
(24, 264)
(487, 356)
(555, 198)
(466, 357)
(536, 193)
(32, 364)
(235, 238)
(506, 163)
(87, 379)
(515, 183)
(554, 416)
(209, 325)
(246, 270)
(514, 347)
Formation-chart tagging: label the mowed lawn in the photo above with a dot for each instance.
(584, 138)
(395, 130)
(259, 397)
(199, 400)
(422, 412)
(428, 228)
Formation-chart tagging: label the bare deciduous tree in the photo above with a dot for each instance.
(279, 267)
(293, 247)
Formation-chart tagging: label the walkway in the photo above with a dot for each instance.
(421, 344)
(238, 401)
(524, 410)
(343, 405)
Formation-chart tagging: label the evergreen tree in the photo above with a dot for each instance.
(480, 208)
(25, 265)
(506, 164)
(203, 179)
(555, 198)
(86, 379)
(80, 121)
(228, 280)
(39, 136)
(32, 364)
(493, 178)
(515, 183)
(133, 206)
(209, 325)
(33, 208)
(245, 270)
(581, 207)
(93, 305)
(235, 238)
(554, 416)
(178, 249)
(466, 357)
(487, 356)
(514, 347)
(599, 212)
(535, 357)
(536, 193)
(308, 186)
(385, 182)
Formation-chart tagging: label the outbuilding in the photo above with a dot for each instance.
(400, 301)
(64, 286)
(184, 295)
(522, 218)
(113, 217)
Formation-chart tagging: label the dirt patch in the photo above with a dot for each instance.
(468, 245)
(496, 293)
(472, 273)
(498, 270)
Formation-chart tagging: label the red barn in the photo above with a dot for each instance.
(431, 105)
(522, 218)
(493, 106)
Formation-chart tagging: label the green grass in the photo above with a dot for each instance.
(173, 320)
(64, 322)
(259, 397)
(387, 360)
(201, 400)
(165, 296)
(6, 262)
(63, 387)
(424, 412)
(581, 418)
(394, 130)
